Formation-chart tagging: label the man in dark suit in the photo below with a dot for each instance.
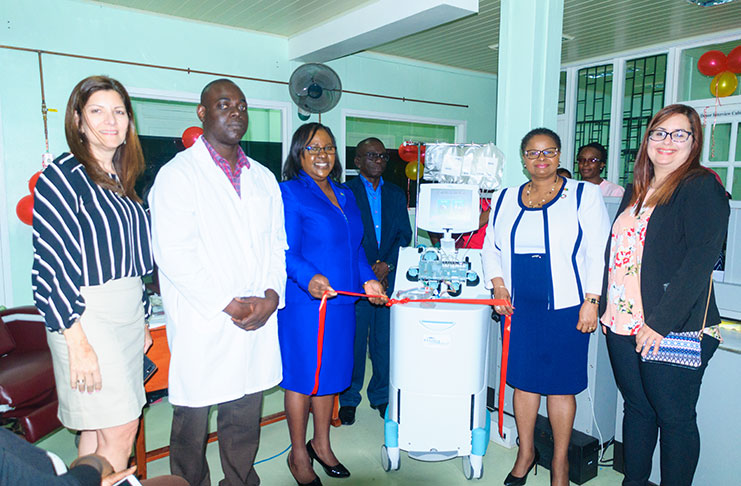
(386, 225)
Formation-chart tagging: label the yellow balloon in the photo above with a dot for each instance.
(723, 84)
(411, 170)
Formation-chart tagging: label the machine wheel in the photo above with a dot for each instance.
(385, 461)
(390, 458)
(473, 467)
(467, 469)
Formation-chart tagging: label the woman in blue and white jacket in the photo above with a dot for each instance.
(544, 251)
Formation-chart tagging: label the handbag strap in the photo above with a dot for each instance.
(707, 304)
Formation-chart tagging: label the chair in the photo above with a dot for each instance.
(28, 394)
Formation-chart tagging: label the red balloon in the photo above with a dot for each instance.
(734, 60)
(190, 135)
(712, 63)
(32, 181)
(408, 153)
(24, 209)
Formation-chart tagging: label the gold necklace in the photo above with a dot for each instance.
(542, 201)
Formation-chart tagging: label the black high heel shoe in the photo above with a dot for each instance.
(337, 471)
(315, 482)
(512, 480)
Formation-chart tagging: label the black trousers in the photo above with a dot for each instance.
(658, 397)
(238, 429)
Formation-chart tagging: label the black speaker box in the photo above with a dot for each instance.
(583, 451)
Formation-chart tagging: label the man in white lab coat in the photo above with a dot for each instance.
(219, 241)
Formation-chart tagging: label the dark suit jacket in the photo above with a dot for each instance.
(683, 240)
(395, 228)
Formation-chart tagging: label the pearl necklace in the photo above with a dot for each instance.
(530, 202)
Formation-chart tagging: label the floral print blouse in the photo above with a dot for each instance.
(624, 311)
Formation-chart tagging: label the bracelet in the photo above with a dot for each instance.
(500, 287)
(592, 300)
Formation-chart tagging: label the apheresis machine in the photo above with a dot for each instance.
(439, 351)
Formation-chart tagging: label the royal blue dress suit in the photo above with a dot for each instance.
(372, 322)
(324, 239)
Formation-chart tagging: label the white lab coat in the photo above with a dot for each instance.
(212, 246)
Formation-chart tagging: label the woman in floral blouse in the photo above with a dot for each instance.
(668, 234)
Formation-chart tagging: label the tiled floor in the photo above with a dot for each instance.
(357, 446)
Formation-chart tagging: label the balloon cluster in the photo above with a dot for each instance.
(190, 135)
(408, 153)
(723, 69)
(24, 208)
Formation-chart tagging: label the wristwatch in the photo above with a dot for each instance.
(592, 300)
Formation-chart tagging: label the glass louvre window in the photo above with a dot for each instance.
(722, 147)
(562, 93)
(693, 85)
(643, 96)
(593, 106)
(160, 125)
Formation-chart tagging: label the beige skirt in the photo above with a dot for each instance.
(113, 322)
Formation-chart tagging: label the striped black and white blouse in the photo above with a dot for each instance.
(83, 235)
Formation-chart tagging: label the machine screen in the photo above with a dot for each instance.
(449, 206)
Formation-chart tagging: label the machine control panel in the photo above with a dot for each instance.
(441, 272)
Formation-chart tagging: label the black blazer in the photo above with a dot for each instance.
(395, 228)
(683, 241)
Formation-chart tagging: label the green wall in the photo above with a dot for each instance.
(92, 29)
(394, 133)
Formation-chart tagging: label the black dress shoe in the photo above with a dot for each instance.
(337, 471)
(347, 415)
(512, 480)
(315, 482)
(381, 407)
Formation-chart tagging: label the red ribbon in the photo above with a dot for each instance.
(389, 303)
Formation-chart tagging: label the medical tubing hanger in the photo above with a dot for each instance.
(416, 200)
(419, 158)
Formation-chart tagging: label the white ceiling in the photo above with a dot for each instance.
(598, 27)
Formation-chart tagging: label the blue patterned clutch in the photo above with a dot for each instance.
(680, 349)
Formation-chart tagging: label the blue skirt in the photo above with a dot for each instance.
(547, 354)
(298, 329)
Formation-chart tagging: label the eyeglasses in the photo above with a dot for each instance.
(375, 156)
(535, 154)
(679, 136)
(584, 160)
(329, 150)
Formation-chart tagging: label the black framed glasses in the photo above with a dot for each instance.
(535, 154)
(329, 150)
(584, 160)
(371, 156)
(679, 136)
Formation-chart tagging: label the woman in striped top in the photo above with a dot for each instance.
(91, 239)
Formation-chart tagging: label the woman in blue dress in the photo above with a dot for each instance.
(544, 250)
(325, 234)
